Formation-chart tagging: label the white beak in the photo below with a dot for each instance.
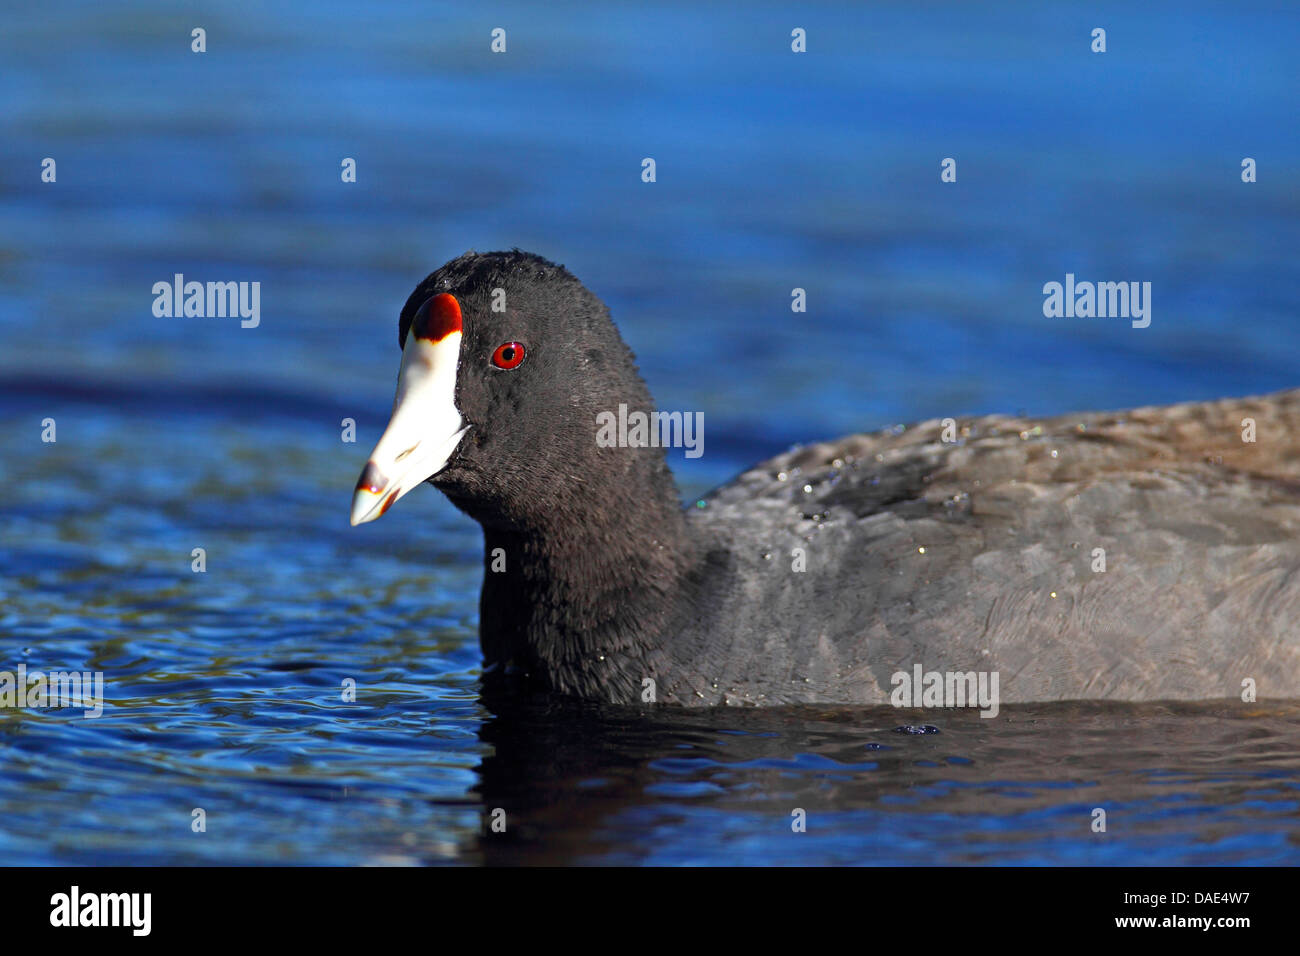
(425, 427)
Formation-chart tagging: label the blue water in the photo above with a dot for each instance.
(774, 171)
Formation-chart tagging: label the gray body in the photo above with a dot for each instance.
(1200, 532)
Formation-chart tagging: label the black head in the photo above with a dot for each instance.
(507, 361)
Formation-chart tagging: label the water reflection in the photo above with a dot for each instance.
(585, 783)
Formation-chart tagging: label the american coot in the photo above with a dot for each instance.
(1140, 555)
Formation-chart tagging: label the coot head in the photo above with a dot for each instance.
(506, 361)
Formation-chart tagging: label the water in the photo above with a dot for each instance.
(774, 172)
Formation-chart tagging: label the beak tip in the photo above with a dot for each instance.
(362, 510)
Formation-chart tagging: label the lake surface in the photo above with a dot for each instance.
(774, 171)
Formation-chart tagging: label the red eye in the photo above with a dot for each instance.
(508, 355)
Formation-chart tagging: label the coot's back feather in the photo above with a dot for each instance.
(980, 555)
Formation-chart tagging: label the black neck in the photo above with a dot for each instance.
(583, 599)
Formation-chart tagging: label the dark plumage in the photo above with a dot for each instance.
(976, 554)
